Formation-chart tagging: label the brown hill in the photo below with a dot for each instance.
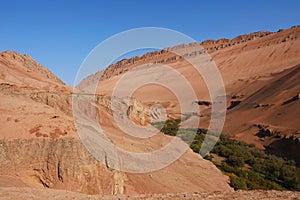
(34, 102)
(23, 71)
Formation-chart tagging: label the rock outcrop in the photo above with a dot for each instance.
(23, 71)
(167, 55)
(57, 163)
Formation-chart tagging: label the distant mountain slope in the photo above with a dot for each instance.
(274, 104)
(258, 69)
(270, 116)
(90, 80)
(268, 47)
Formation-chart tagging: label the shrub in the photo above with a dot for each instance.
(235, 161)
(238, 183)
(264, 171)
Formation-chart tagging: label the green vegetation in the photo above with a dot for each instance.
(247, 167)
(170, 127)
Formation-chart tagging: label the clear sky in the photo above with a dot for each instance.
(60, 33)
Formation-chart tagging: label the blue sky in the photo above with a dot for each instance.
(59, 34)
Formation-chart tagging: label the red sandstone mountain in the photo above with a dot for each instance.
(23, 71)
(40, 147)
(39, 143)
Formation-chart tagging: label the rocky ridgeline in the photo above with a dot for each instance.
(124, 65)
(167, 55)
(58, 101)
(28, 64)
(127, 107)
(135, 110)
(212, 45)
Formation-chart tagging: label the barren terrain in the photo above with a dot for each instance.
(42, 155)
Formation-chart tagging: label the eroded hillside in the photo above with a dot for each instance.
(40, 147)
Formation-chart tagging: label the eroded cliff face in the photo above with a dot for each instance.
(39, 145)
(62, 102)
(62, 163)
(90, 106)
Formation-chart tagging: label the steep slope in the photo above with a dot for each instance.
(270, 116)
(23, 71)
(34, 102)
(275, 104)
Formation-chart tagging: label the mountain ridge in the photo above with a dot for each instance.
(209, 45)
(254, 61)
